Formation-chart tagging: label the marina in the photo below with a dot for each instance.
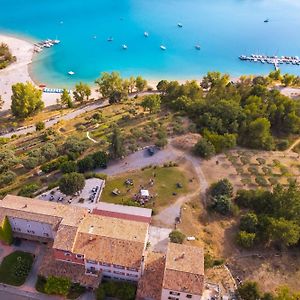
(38, 47)
(274, 60)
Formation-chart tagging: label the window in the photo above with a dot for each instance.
(189, 296)
(79, 256)
(132, 275)
(67, 254)
(91, 262)
(46, 234)
(119, 273)
(104, 264)
(119, 267)
(132, 269)
(30, 231)
(174, 293)
(173, 298)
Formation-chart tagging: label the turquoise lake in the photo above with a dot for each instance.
(225, 29)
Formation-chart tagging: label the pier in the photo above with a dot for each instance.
(274, 60)
(38, 47)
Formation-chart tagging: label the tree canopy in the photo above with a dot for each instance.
(71, 183)
(26, 100)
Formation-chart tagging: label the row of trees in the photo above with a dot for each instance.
(272, 216)
(285, 79)
(114, 88)
(247, 112)
(27, 99)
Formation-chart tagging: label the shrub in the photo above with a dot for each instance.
(40, 126)
(28, 190)
(57, 286)
(222, 187)
(71, 183)
(68, 167)
(282, 145)
(176, 237)
(221, 204)
(7, 178)
(261, 160)
(204, 149)
(245, 160)
(245, 239)
(249, 291)
(40, 284)
(249, 222)
(261, 181)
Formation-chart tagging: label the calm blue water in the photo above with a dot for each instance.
(225, 29)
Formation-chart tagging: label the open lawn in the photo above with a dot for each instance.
(15, 268)
(164, 190)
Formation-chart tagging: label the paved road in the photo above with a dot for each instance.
(71, 115)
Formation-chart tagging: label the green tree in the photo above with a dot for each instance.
(82, 92)
(117, 149)
(140, 84)
(100, 159)
(8, 159)
(68, 167)
(40, 126)
(275, 75)
(6, 234)
(249, 291)
(285, 231)
(204, 149)
(65, 99)
(109, 83)
(222, 204)
(162, 86)
(26, 100)
(221, 188)
(71, 183)
(288, 79)
(176, 237)
(86, 164)
(221, 142)
(28, 190)
(57, 286)
(258, 135)
(7, 178)
(245, 239)
(249, 222)
(152, 103)
(73, 147)
(49, 151)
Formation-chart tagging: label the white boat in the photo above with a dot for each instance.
(179, 25)
(56, 41)
(146, 34)
(110, 39)
(124, 47)
(71, 73)
(162, 47)
(197, 47)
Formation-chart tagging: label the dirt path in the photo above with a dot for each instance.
(293, 145)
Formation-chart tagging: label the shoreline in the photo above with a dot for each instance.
(21, 70)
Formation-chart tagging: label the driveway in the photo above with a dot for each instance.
(138, 160)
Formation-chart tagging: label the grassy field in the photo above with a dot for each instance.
(165, 184)
(15, 268)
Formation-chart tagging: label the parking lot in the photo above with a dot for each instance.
(88, 197)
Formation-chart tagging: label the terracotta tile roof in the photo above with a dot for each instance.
(150, 284)
(109, 250)
(65, 237)
(52, 267)
(42, 211)
(114, 228)
(184, 269)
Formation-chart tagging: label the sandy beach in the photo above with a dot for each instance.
(19, 71)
